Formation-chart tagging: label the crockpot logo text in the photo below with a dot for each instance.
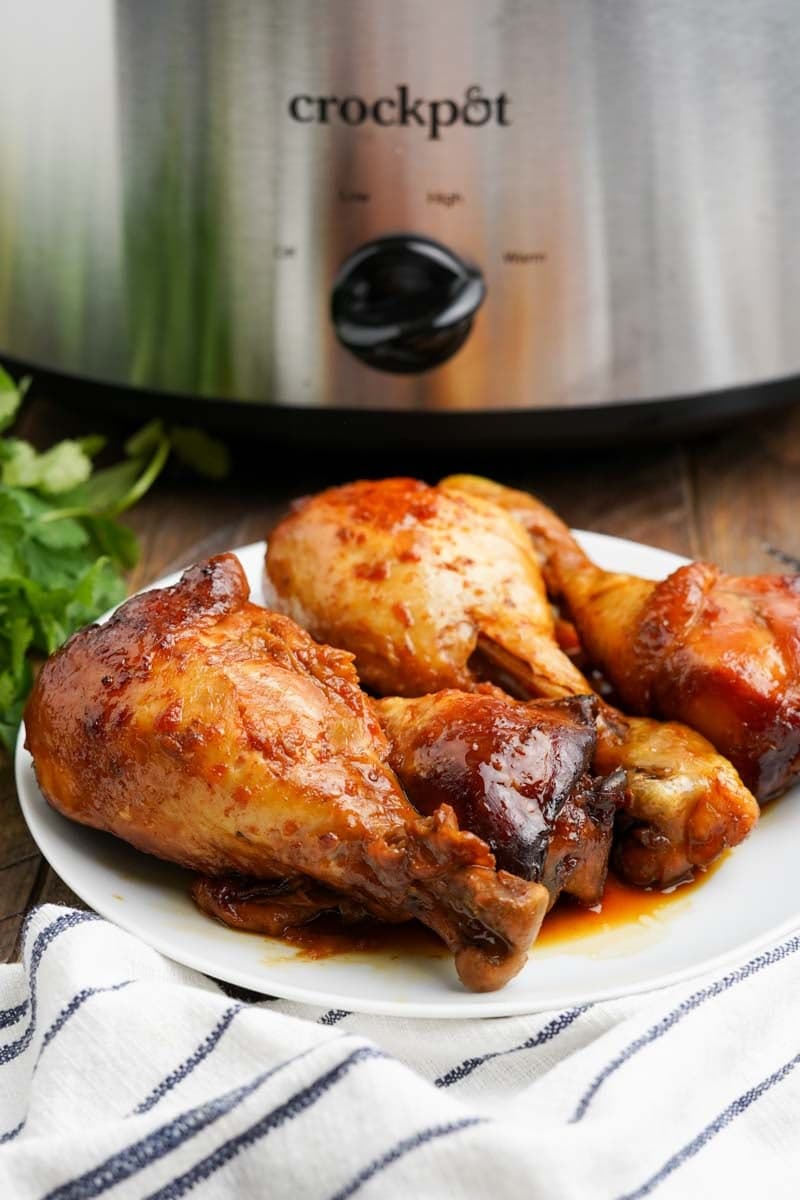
(403, 108)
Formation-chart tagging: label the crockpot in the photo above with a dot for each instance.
(482, 215)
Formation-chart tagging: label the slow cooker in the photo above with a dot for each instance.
(500, 216)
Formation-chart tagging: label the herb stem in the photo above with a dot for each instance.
(63, 514)
(137, 490)
(146, 479)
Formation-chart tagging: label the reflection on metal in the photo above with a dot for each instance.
(632, 204)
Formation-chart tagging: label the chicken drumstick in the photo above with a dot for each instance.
(517, 775)
(217, 735)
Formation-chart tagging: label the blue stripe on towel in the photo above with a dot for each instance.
(551, 1030)
(165, 1138)
(333, 1016)
(12, 1133)
(776, 954)
(293, 1107)
(401, 1149)
(189, 1064)
(10, 1015)
(735, 1109)
(44, 939)
(70, 1009)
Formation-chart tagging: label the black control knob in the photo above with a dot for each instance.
(405, 303)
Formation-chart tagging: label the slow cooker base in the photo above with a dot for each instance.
(542, 428)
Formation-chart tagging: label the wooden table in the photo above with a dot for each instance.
(733, 497)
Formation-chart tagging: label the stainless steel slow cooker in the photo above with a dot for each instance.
(570, 213)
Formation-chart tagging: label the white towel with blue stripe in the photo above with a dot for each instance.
(124, 1075)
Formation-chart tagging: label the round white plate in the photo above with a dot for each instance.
(754, 897)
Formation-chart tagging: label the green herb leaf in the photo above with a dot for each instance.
(12, 702)
(198, 450)
(105, 489)
(58, 570)
(63, 467)
(59, 469)
(99, 589)
(9, 562)
(92, 444)
(10, 399)
(61, 549)
(116, 541)
(67, 534)
(145, 439)
(20, 464)
(147, 478)
(20, 636)
(12, 514)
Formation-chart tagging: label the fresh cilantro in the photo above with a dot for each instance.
(59, 469)
(145, 439)
(200, 451)
(62, 550)
(11, 396)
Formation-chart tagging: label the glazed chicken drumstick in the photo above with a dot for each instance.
(432, 588)
(517, 775)
(719, 652)
(216, 734)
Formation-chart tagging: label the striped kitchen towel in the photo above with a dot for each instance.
(125, 1075)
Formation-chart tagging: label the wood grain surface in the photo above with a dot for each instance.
(732, 497)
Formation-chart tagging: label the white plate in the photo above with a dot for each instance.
(754, 897)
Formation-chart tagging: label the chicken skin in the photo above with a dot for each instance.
(515, 774)
(719, 652)
(408, 578)
(273, 907)
(217, 735)
(434, 588)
